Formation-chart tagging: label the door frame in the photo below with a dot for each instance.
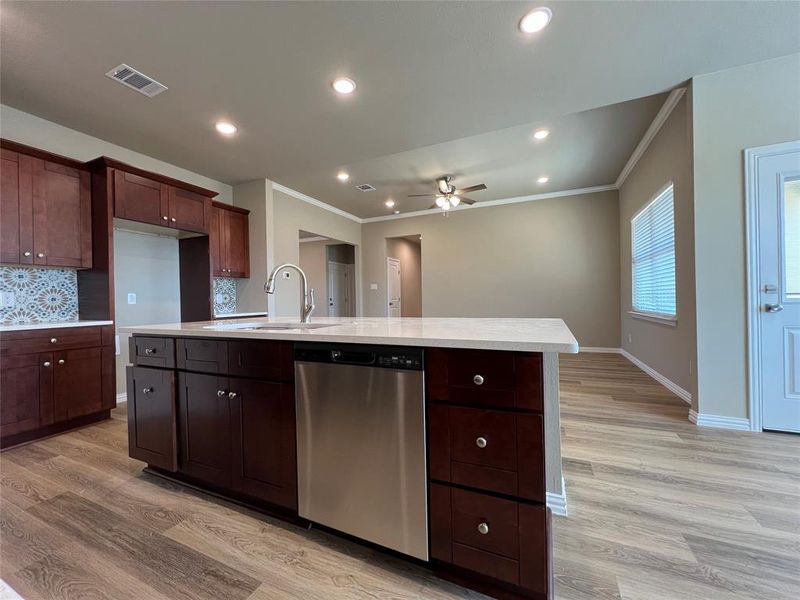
(752, 156)
(389, 260)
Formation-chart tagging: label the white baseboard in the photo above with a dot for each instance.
(701, 420)
(670, 385)
(558, 502)
(122, 398)
(600, 350)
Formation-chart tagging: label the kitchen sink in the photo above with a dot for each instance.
(268, 326)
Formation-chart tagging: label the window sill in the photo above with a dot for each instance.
(660, 319)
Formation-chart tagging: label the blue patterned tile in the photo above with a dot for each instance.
(224, 296)
(40, 295)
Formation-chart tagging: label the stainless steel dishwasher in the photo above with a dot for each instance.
(361, 442)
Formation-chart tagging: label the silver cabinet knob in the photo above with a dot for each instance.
(220, 393)
(53, 340)
(165, 217)
(148, 390)
(40, 254)
(173, 219)
(149, 351)
(46, 363)
(478, 380)
(61, 361)
(483, 528)
(232, 395)
(773, 308)
(27, 253)
(481, 442)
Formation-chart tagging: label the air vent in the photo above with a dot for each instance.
(365, 187)
(135, 80)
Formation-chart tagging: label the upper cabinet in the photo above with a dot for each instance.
(45, 210)
(229, 241)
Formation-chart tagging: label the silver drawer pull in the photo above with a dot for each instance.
(46, 363)
(232, 395)
(61, 361)
(478, 380)
(148, 390)
(481, 442)
(149, 351)
(483, 528)
(53, 340)
(220, 393)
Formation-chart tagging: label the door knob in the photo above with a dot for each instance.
(483, 528)
(481, 442)
(478, 380)
(61, 361)
(773, 308)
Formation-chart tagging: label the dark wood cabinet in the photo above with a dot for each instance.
(264, 459)
(153, 417)
(45, 212)
(78, 383)
(229, 241)
(188, 210)
(27, 392)
(204, 417)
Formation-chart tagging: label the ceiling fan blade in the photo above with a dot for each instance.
(422, 195)
(468, 201)
(472, 188)
(434, 206)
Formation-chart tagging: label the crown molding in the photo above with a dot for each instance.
(318, 203)
(490, 203)
(661, 117)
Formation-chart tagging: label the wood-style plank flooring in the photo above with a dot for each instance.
(659, 509)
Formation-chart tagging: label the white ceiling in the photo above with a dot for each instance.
(427, 73)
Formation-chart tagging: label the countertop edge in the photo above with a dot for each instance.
(46, 326)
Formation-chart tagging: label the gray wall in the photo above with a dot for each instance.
(410, 256)
(148, 266)
(670, 350)
(740, 108)
(314, 261)
(550, 258)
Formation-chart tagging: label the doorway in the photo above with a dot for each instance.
(329, 265)
(404, 276)
(773, 199)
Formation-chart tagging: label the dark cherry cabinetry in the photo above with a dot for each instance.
(45, 209)
(152, 417)
(229, 241)
(53, 380)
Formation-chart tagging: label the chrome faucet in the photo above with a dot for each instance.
(306, 301)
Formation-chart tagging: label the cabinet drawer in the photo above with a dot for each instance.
(152, 351)
(206, 356)
(49, 340)
(490, 450)
(485, 378)
(261, 359)
(503, 539)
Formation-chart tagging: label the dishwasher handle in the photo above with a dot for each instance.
(353, 358)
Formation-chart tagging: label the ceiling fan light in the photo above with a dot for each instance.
(446, 205)
(444, 186)
(440, 201)
(455, 201)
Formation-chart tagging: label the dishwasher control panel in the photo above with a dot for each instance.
(400, 361)
(387, 357)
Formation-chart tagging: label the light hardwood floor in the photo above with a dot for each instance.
(659, 509)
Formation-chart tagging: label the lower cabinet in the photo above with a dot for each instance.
(78, 388)
(26, 382)
(152, 417)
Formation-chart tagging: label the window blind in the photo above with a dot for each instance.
(653, 257)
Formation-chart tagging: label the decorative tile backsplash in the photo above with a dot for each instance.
(224, 296)
(39, 295)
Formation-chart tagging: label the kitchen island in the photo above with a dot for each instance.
(449, 426)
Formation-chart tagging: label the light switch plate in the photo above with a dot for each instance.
(131, 298)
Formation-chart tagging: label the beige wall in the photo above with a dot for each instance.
(670, 350)
(256, 196)
(550, 258)
(740, 108)
(410, 256)
(146, 265)
(314, 261)
(290, 216)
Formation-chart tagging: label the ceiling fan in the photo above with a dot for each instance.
(448, 196)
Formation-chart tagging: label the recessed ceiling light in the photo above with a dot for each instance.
(543, 179)
(540, 134)
(225, 128)
(389, 203)
(536, 20)
(344, 85)
(342, 176)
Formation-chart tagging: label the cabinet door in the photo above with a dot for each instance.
(215, 242)
(137, 198)
(16, 209)
(236, 245)
(62, 215)
(26, 393)
(188, 211)
(152, 417)
(78, 387)
(264, 461)
(204, 419)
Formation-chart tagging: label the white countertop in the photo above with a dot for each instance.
(32, 326)
(528, 335)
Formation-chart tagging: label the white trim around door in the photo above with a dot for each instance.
(751, 159)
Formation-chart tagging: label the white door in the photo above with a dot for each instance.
(338, 290)
(778, 189)
(394, 286)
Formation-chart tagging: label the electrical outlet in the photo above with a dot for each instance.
(7, 300)
(131, 298)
